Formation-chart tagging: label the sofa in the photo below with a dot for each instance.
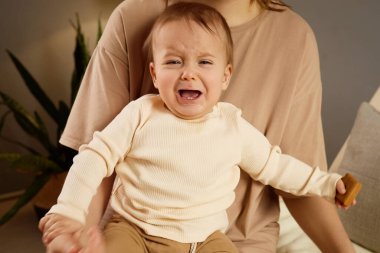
(360, 156)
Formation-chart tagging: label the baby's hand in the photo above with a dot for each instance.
(340, 191)
(63, 243)
(53, 225)
(347, 188)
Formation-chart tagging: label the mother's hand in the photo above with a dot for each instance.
(53, 225)
(63, 243)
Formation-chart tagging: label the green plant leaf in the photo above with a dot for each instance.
(81, 59)
(58, 157)
(3, 118)
(100, 30)
(20, 144)
(17, 109)
(38, 182)
(15, 142)
(64, 112)
(41, 124)
(35, 88)
(31, 163)
(31, 125)
(43, 135)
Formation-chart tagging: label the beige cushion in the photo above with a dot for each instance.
(375, 102)
(362, 159)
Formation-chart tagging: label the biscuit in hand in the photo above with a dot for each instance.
(353, 187)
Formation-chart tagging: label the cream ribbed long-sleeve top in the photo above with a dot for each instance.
(176, 177)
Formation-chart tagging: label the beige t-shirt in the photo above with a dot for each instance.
(276, 82)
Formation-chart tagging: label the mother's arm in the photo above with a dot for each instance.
(320, 221)
(304, 139)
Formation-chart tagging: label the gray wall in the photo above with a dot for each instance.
(39, 33)
(348, 36)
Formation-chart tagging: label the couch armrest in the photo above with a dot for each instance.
(375, 102)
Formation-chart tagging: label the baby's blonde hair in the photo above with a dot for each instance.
(203, 15)
(266, 4)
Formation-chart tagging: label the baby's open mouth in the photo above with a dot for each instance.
(189, 94)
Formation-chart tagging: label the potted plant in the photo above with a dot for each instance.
(55, 159)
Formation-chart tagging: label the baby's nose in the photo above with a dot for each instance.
(188, 74)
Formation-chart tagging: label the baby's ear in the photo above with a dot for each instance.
(152, 73)
(227, 76)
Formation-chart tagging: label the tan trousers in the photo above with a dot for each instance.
(123, 237)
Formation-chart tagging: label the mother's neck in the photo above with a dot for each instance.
(236, 12)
